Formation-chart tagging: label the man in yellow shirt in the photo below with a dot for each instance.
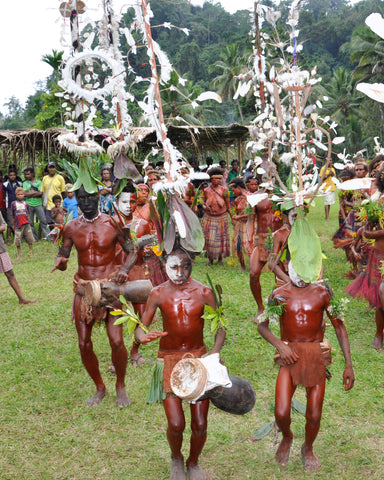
(328, 188)
(52, 184)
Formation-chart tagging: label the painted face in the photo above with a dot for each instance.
(360, 171)
(88, 203)
(376, 169)
(126, 203)
(178, 268)
(215, 181)
(143, 193)
(236, 191)
(253, 186)
(294, 277)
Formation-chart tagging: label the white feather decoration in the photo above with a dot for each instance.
(376, 23)
(372, 90)
(180, 223)
(209, 96)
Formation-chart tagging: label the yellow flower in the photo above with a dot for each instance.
(156, 250)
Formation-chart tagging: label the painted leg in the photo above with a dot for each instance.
(255, 268)
(315, 397)
(377, 342)
(283, 398)
(88, 357)
(199, 414)
(176, 425)
(119, 360)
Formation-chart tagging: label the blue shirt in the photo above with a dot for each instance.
(71, 205)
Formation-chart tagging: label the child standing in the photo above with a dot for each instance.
(58, 212)
(70, 202)
(20, 221)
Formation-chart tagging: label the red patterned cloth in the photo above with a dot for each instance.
(366, 284)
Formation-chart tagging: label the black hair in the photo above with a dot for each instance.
(237, 182)
(347, 173)
(380, 179)
(56, 197)
(251, 177)
(379, 158)
(129, 188)
(215, 171)
(29, 170)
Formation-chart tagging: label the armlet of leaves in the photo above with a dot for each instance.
(337, 307)
(216, 318)
(127, 315)
(273, 310)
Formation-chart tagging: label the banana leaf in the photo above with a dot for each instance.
(263, 431)
(85, 177)
(125, 168)
(169, 237)
(305, 249)
(298, 406)
(193, 241)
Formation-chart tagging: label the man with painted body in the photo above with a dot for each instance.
(95, 237)
(265, 221)
(181, 301)
(126, 204)
(302, 360)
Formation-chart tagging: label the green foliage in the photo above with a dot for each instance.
(128, 316)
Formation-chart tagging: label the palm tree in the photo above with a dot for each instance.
(367, 49)
(343, 102)
(54, 60)
(232, 65)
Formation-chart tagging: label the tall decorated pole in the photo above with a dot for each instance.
(155, 78)
(77, 7)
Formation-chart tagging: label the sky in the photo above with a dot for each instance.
(29, 30)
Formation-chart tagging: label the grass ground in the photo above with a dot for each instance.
(47, 432)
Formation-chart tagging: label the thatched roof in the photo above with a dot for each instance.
(31, 142)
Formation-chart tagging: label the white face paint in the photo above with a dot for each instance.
(126, 203)
(294, 277)
(178, 268)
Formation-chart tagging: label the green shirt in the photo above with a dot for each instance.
(27, 186)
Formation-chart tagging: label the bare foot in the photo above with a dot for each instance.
(97, 398)
(122, 398)
(282, 453)
(24, 301)
(177, 469)
(138, 361)
(377, 343)
(311, 462)
(195, 472)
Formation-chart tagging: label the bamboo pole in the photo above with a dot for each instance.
(155, 77)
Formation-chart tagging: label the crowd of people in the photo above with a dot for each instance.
(101, 227)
